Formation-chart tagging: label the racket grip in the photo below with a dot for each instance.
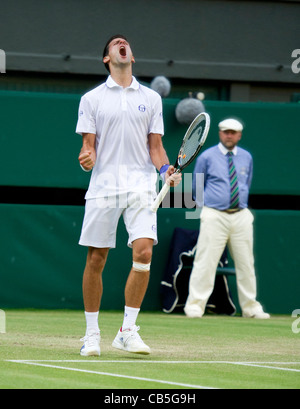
(160, 197)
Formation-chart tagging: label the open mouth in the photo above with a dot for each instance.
(123, 51)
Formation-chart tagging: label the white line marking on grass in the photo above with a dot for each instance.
(46, 364)
(137, 361)
(136, 378)
(268, 366)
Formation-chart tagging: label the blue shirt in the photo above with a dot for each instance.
(213, 163)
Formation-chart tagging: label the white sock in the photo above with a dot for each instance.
(92, 321)
(130, 317)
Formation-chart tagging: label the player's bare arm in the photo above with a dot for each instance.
(159, 158)
(87, 156)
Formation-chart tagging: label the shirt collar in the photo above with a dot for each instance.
(225, 150)
(111, 83)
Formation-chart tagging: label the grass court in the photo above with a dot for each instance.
(40, 350)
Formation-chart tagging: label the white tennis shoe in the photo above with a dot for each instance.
(91, 346)
(130, 341)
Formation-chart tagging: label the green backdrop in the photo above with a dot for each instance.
(37, 134)
(42, 264)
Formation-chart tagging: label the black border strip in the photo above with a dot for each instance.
(75, 197)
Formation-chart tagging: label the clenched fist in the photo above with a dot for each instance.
(87, 160)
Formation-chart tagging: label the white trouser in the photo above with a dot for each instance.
(218, 229)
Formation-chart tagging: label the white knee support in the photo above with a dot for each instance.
(141, 267)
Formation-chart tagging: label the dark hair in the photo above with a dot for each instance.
(106, 48)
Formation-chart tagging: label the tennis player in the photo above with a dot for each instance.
(121, 124)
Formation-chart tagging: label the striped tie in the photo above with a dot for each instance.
(234, 188)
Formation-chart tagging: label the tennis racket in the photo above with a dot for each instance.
(192, 143)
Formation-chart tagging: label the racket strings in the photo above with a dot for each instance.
(191, 144)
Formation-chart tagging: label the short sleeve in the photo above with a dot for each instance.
(86, 117)
(157, 122)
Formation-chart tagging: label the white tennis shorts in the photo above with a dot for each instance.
(102, 215)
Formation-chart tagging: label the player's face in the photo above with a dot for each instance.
(230, 138)
(119, 52)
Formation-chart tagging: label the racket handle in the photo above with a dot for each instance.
(160, 197)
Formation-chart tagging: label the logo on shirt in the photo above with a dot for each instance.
(142, 108)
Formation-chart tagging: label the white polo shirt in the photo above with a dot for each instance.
(122, 119)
